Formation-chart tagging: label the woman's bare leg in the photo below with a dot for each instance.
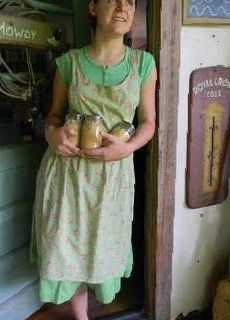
(79, 303)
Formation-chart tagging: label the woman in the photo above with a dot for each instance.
(83, 208)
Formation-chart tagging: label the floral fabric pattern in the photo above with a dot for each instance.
(83, 208)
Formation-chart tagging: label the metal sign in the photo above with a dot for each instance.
(208, 159)
(206, 12)
(27, 32)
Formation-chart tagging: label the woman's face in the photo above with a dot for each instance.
(113, 16)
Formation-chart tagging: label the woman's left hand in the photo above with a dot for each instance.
(115, 149)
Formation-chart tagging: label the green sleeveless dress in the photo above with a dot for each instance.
(83, 209)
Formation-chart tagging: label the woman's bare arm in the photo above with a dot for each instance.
(56, 134)
(146, 114)
(59, 102)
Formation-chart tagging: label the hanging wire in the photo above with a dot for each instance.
(30, 67)
(24, 89)
(10, 88)
(9, 85)
(7, 89)
(9, 94)
(13, 75)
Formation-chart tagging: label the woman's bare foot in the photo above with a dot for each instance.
(79, 303)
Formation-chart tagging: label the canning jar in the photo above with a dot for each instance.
(73, 121)
(91, 132)
(123, 130)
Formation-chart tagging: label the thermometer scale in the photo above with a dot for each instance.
(212, 147)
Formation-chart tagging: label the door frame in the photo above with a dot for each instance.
(164, 30)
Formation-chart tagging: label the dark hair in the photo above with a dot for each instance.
(93, 19)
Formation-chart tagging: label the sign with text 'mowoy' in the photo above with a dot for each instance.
(26, 32)
(208, 160)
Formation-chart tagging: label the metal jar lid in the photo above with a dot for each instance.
(74, 116)
(95, 117)
(127, 126)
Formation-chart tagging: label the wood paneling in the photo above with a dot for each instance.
(18, 289)
(18, 166)
(139, 27)
(15, 224)
(21, 303)
(153, 19)
(171, 12)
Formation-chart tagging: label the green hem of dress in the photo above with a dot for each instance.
(62, 291)
(58, 292)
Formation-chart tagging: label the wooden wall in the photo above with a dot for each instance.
(18, 169)
(18, 289)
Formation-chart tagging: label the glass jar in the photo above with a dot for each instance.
(123, 130)
(91, 132)
(73, 121)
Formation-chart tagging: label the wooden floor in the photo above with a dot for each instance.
(129, 298)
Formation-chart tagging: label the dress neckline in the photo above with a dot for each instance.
(113, 66)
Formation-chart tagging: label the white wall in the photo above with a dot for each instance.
(201, 236)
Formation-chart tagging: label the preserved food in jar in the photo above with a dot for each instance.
(73, 121)
(123, 130)
(91, 132)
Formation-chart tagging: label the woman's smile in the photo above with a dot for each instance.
(119, 19)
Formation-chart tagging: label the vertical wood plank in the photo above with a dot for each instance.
(19, 288)
(164, 23)
(171, 13)
(139, 26)
(153, 24)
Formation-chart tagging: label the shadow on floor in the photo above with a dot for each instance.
(196, 315)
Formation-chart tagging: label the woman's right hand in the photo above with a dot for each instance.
(57, 139)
